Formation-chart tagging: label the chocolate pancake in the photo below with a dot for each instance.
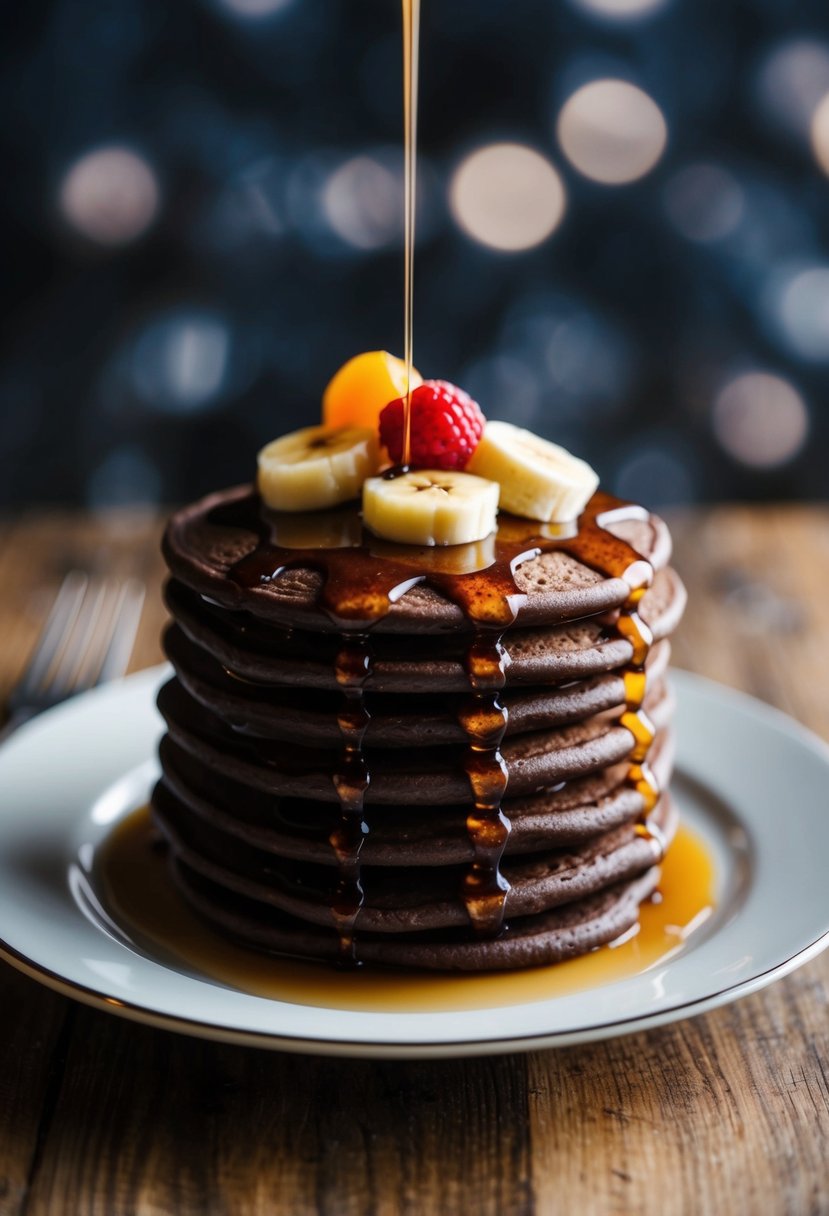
(422, 758)
(204, 544)
(310, 715)
(262, 654)
(412, 899)
(430, 777)
(550, 937)
(571, 813)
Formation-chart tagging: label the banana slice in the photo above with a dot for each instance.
(430, 507)
(538, 479)
(318, 466)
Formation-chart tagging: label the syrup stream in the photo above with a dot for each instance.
(411, 46)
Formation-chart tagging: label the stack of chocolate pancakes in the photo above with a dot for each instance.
(442, 758)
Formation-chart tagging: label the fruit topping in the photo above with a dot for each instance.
(359, 390)
(315, 467)
(430, 507)
(445, 427)
(538, 479)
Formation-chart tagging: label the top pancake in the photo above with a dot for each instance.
(204, 541)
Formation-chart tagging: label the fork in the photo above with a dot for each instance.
(87, 639)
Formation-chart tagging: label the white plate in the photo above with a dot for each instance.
(749, 780)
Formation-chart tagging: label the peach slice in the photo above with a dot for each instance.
(363, 386)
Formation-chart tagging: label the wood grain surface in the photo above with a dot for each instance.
(728, 1112)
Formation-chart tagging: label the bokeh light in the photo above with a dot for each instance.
(655, 473)
(704, 202)
(581, 358)
(796, 304)
(760, 419)
(804, 313)
(505, 387)
(507, 196)
(127, 476)
(363, 202)
(248, 209)
(620, 10)
(819, 133)
(110, 195)
(352, 205)
(792, 79)
(253, 10)
(181, 361)
(612, 131)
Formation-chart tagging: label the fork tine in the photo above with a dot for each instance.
(93, 645)
(109, 649)
(116, 656)
(63, 614)
(104, 650)
(79, 639)
(87, 639)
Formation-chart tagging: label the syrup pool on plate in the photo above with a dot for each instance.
(140, 897)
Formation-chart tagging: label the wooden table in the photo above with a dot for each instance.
(726, 1113)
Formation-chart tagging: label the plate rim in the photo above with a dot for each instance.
(495, 1042)
(391, 1049)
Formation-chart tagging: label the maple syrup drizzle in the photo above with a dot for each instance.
(351, 780)
(639, 576)
(484, 719)
(411, 43)
(360, 582)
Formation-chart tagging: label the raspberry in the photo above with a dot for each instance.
(445, 427)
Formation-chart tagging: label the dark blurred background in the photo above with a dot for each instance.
(623, 233)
